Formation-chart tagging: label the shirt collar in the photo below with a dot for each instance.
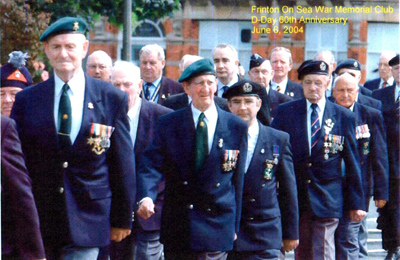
(134, 111)
(211, 113)
(282, 84)
(390, 81)
(156, 82)
(321, 104)
(352, 108)
(76, 83)
(254, 130)
(233, 81)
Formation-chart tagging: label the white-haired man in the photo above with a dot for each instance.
(99, 65)
(385, 78)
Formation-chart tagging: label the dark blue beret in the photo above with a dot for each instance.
(243, 88)
(65, 25)
(348, 64)
(394, 61)
(312, 67)
(197, 68)
(14, 73)
(256, 60)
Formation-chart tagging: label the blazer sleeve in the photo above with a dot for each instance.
(16, 186)
(287, 197)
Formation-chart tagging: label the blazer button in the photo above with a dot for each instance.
(61, 190)
(308, 181)
(217, 185)
(65, 165)
(309, 165)
(209, 210)
(250, 218)
(263, 185)
(252, 200)
(190, 206)
(362, 163)
(185, 183)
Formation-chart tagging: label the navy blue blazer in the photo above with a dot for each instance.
(20, 234)
(181, 100)
(391, 118)
(201, 210)
(276, 98)
(294, 90)
(148, 118)
(168, 87)
(319, 180)
(373, 153)
(266, 217)
(369, 101)
(365, 91)
(372, 84)
(79, 194)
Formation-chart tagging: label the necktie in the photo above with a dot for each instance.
(384, 84)
(224, 89)
(201, 143)
(315, 127)
(147, 92)
(64, 119)
(278, 88)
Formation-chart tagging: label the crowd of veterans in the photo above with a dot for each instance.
(117, 161)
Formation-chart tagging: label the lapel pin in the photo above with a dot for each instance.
(163, 96)
(90, 105)
(220, 142)
(262, 150)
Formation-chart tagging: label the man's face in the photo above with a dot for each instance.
(396, 74)
(98, 69)
(201, 89)
(280, 63)
(225, 64)
(246, 107)
(262, 74)
(385, 71)
(355, 73)
(66, 52)
(7, 99)
(314, 87)
(127, 84)
(345, 91)
(151, 67)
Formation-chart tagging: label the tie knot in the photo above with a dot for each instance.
(65, 88)
(201, 117)
(314, 107)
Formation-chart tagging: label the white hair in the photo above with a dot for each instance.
(128, 68)
(228, 46)
(103, 56)
(153, 48)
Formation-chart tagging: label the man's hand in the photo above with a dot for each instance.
(380, 203)
(357, 215)
(146, 208)
(290, 244)
(117, 234)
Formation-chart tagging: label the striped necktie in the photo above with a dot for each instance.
(64, 119)
(147, 92)
(315, 127)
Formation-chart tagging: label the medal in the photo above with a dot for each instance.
(262, 151)
(90, 105)
(268, 171)
(326, 156)
(220, 143)
(275, 153)
(105, 142)
(366, 148)
(100, 137)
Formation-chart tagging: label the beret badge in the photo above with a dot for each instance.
(247, 87)
(76, 26)
(322, 66)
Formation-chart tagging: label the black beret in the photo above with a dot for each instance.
(312, 67)
(65, 25)
(394, 61)
(256, 61)
(197, 68)
(348, 64)
(14, 73)
(243, 88)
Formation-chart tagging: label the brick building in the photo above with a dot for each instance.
(362, 31)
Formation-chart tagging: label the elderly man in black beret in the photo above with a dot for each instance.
(267, 225)
(75, 136)
(322, 136)
(201, 152)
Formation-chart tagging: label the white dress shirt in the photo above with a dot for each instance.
(282, 85)
(390, 82)
(320, 110)
(133, 115)
(252, 136)
(220, 91)
(76, 94)
(211, 117)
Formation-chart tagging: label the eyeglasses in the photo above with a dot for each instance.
(100, 66)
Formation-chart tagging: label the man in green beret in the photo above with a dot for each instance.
(200, 151)
(75, 136)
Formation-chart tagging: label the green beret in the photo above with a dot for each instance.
(394, 61)
(65, 25)
(197, 68)
(243, 88)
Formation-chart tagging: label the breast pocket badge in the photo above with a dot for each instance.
(230, 160)
(100, 137)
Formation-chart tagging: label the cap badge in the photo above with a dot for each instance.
(322, 66)
(76, 26)
(247, 87)
(17, 74)
(355, 64)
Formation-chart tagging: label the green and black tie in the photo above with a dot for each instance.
(64, 119)
(201, 142)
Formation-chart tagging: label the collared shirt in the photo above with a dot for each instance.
(396, 92)
(320, 110)
(76, 94)
(133, 115)
(390, 82)
(252, 136)
(153, 89)
(211, 117)
(328, 91)
(220, 91)
(282, 85)
(352, 108)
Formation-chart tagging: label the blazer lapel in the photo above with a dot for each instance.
(46, 102)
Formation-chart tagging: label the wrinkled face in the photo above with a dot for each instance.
(225, 64)
(314, 87)
(396, 74)
(7, 99)
(262, 74)
(385, 71)
(66, 52)
(127, 84)
(281, 63)
(151, 67)
(201, 89)
(345, 92)
(246, 107)
(98, 69)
